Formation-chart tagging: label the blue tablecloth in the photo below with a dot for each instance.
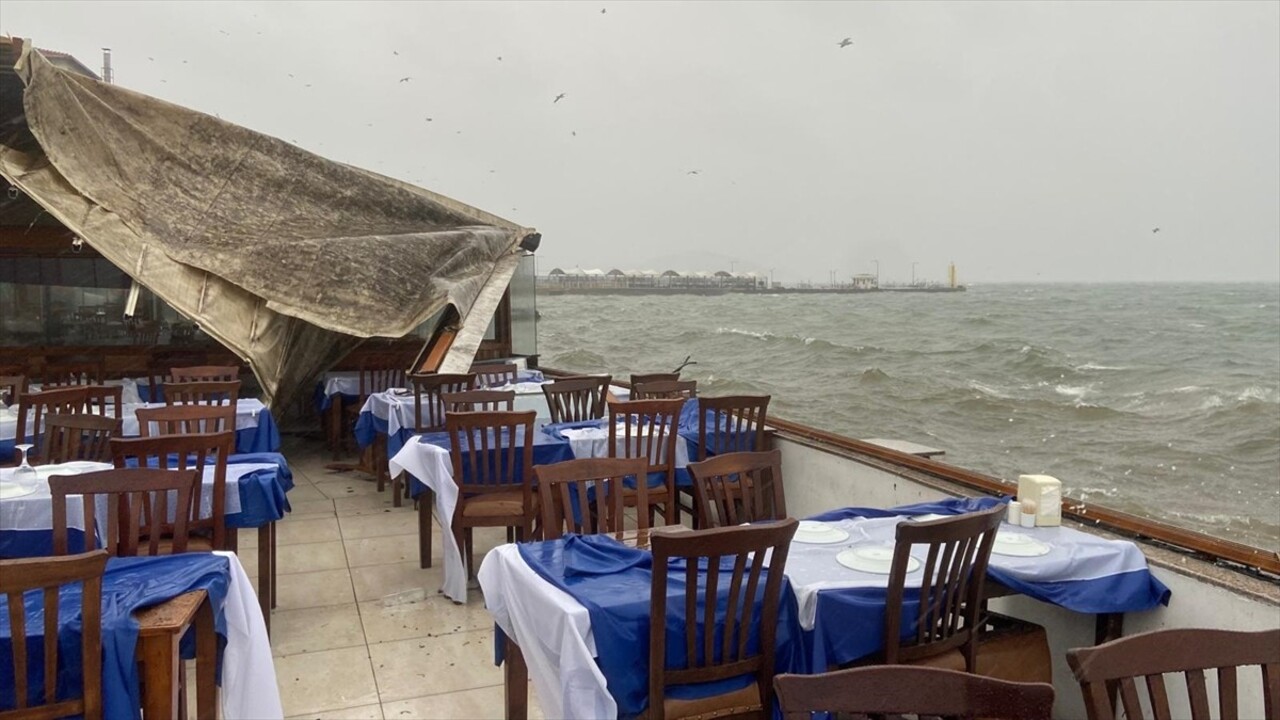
(850, 622)
(613, 582)
(129, 584)
(546, 450)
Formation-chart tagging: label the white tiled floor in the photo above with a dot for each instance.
(360, 630)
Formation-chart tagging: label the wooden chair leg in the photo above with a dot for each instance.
(206, 664)
(275, 586)
(469, 538)
(264, 573)
(160, 656)
(424, 529)
(515, 676)
(379, 462)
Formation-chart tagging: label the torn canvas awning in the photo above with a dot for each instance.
(287, 258)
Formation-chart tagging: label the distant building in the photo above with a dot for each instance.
(865, 282)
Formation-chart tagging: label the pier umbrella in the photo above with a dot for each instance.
(287, 258)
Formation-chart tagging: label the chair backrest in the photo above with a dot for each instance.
(492, 452)
(732, 423)
(204, 392)
(734, 655)
(428, 406)
(12, 387)
(142, 504)
(80, 373)
(34, 406)
(642, 378)
(78, 436)
(571, 399)
(185, 419)
(495, 374)
(187, 452)
(895, 690)
(105, 400)
(49, 574)
(658, 389)
(381, 372)
(204, 373)
(646, 429)
(1190, 651)
(589, 496)
(479, 401)
(953, 573)
(737, 488)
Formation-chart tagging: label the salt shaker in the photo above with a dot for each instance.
(1015, 513)
(1028, 519)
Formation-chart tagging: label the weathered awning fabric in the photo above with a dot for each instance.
(285, 257)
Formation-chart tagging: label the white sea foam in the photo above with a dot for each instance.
(1096, 366)
(987, 389)
(746, 333)
(1075, 391)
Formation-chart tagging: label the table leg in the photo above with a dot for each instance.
(1108, 627)
(275, 567)
(161, 657)
(515, 677)
(264, 573)
(335, 425)
(425, 502)
(206, 664)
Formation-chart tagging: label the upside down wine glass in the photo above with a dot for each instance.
(24, 475)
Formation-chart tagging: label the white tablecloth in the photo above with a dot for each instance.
(35, 511)
(431, 465)
(594, 443)
(247, 410)
(249, 689)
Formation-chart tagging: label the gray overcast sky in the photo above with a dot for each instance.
(1024, 141)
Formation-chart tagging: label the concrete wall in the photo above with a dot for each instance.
(819, 479)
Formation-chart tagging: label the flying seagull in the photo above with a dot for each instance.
(1155, 230)
(602, 11)
(575, 133)
(558, 98)
(151, 59)
(395, 52)
(405, 79)
(846, 42)
(428, 119)
(499, 58)
(693, 172)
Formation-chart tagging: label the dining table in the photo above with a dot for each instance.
(137, 672)
(256, 497)
(565, 609)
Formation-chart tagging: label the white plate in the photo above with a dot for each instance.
(14, 490)
(877, 559)
(819, 533)
(1019, 545)
(930, 516)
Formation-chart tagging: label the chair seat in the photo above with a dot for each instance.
(499, 504)
(195, 543)
(739, 702)
(1011, 649)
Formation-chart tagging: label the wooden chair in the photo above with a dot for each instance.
(597, 486)
(895, 690)
(49, 575)
(495, 374)
(650, 430)
(377, 373)
(204, 373)
(723, 653)
(571, 399)
(34, 406)
(1190, 651)
(479, 401)
(663, 389)
(139, 502)
(105, 400)
(953, 575)
(12, 387)
(78, 436)
(428, 406)
(204, 392)
(185, 420)
(732, 423)
(642, 378)
(188, 452)
(492, 456)
(62, 374)
(738, 488)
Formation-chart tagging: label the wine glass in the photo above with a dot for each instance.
(24, 475)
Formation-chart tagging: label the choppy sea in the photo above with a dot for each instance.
(1157, 399)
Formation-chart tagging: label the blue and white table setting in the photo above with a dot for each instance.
(842, 608)
(247, 673)
(345, 384)
(425, 458)
(256, 429)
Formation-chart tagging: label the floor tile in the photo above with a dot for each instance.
(326, 680)
(313, 629)
(303, 493)
(307, 508)
(382, 550)
(376, 582)
(307, 531)
(343, 485)
(377, 525)
(434, 614)
(364, 712)
(370, 504)
(484, 703)
(428, 666)
(313, 589)
(310, 557)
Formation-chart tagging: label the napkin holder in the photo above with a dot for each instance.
(1046, 493)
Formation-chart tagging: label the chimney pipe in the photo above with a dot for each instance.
(106, 66)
